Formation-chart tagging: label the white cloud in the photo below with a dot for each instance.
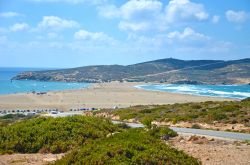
(187, 34)
(135, 26)
(49, 36)
(150, 14)
(180, 42)
(184, 10)
(135, 15)
(19, 27)
(9, 14)
(237, 16)
(93, 37)
(56, 23)
(108, 11)
(141, 10)
(186, 38)
(215, 19)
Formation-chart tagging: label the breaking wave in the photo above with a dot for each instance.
(226, 91)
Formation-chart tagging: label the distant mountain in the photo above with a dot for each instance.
(164, 70)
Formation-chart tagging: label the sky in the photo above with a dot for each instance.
(72, 33)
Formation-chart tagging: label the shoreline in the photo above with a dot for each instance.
(99, 95)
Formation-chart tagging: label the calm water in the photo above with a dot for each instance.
(227, 91)
(8, 87)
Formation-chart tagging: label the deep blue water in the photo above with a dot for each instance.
(226, 91)
(8, 87)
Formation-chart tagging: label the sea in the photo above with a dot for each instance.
(225, 91)
(25, 86)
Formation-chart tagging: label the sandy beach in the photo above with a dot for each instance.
(104, 95)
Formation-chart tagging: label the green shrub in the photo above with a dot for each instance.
(134, 146)
(158, 132)
(53, 135)
(11, 116)
(147, 121)
(206, 112)
(196, 126)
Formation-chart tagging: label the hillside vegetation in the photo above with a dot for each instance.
(165, 70)
(206, 112)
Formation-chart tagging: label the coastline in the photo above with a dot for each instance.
(99, 95)
(196, 90)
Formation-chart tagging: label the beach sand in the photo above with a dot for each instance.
(103, 95)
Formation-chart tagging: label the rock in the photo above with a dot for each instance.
(193, 138)
(211, 139)
(198, 139)
(165, 137)
(182, 141)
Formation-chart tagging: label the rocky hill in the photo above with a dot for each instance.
(164, 70)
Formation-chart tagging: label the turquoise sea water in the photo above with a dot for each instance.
(226, 91)
(8, 87)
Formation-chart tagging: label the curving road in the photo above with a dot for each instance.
(219, 134)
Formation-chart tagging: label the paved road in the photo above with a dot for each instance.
(219, 134)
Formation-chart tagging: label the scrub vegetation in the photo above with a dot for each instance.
(133, 146)
(228, 112)
(52, 135)
(91, 140)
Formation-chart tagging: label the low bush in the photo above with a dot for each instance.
(134, 146)
(55, 135)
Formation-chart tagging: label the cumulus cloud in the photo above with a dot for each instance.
(135, 26)
(187, 34)
(191, 41)
(56, 23)
(109, 11)
(151, 14)
(93, 36)
(19, 27)
(184, 10)
(9, 14)
(141, 10)
(135, 15)
(187, 37)
(237, 16)
(186, 41)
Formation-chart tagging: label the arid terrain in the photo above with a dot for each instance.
(211, 151)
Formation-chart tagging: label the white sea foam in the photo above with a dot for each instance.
(228, 91)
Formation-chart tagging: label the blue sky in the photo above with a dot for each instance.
(70, 33)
